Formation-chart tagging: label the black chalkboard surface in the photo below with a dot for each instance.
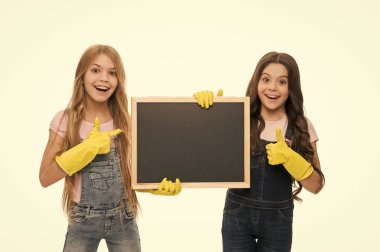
(174, 137)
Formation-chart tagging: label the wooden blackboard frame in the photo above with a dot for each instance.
(244, 101)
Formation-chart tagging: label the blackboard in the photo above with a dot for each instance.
(174, 137)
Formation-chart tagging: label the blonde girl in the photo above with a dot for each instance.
(89, 146)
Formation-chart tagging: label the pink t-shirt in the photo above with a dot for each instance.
(60, 128)
(269, 132)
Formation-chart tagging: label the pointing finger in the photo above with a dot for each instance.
(115, 132)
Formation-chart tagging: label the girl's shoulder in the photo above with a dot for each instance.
(59, 123)
(311, 130)
(60, 114)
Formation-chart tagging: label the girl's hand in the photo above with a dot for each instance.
(76, 158)
(166, 188)
(279, 152)
(205, 98)
(294, 163)
(102, 140)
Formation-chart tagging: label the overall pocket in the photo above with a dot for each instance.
(230, 206)
(101, 174)
(78, 216)
(127, 214)
(286, 214)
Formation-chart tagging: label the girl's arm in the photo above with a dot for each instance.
(295, 164)
(50, 172)
(54, 168)
(314, 182)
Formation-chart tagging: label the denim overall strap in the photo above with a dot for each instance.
(103, 211)
(269, 183)
(102, 181)
(260, 218)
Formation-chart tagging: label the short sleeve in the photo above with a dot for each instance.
(312, 132)
(59, 124)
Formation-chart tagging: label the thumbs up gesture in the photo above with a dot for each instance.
(279, 152)
(294, 163)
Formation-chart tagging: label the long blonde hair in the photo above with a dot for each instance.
(118, 105)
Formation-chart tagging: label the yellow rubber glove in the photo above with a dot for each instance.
(166, 188)
(205, 98)
(294, 163)
(76, 158)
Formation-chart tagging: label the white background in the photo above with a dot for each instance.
(174, 48)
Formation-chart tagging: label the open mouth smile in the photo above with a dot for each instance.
(272, 97)
(101, 88)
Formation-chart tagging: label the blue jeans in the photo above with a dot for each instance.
(247, 228)
(88, 226)
(103, 211)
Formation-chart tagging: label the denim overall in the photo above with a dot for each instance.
(260, 218)
(103, 211)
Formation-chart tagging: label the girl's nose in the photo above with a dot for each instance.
(272, 86)
(104, 77)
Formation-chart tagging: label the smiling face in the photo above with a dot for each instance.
(100, 80)
(273, 91)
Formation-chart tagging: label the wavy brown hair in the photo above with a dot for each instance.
(118, 105)
(294, 109)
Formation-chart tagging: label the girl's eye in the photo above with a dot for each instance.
(95, 70)
(265, 79)
(283, 82)
(113, 73)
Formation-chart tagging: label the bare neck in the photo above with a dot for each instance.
(272, 115)
(100, 110)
